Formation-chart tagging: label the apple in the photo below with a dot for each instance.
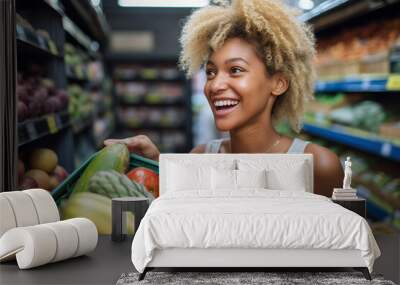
(60, 173)
(27, 183)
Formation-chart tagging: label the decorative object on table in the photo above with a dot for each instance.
(357, 205)
(137, 205)
(33, 234)
(215, 278)
(345, 193)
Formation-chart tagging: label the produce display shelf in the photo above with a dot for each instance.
(322, 8)
(33, 129)
(149, 79)
(81, 124)
(74, 75)
(38, 45)
(388, 198)
(370, 84)
(144, 103)
(155, 127)
(80, 37)
(375, 145)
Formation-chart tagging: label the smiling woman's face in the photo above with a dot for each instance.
(238, 87)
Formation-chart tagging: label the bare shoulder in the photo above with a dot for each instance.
(201, 148)
(328, 172)
(324, 159)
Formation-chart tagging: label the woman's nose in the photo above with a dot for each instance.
(219, 83)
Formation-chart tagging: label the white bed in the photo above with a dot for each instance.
(248, 226)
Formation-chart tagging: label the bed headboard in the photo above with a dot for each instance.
(212, 159)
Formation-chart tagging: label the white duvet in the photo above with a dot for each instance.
(253, 218)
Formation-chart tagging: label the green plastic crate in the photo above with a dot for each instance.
(65, 188)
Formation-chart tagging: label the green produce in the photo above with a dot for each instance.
(94, 207)
(112, 157)
(113, 184)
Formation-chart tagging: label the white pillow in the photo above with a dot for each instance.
(251, 178)
(293, 180)
(183, 177)
(223, 179)
(281, 174)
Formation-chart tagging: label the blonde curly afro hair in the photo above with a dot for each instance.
(283, 42)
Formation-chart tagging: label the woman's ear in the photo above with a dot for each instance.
(281, 84)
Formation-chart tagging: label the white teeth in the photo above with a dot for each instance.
(225, 103)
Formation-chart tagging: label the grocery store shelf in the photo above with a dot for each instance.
(323, 8)
(33, 43)
(332, 12)
(386, 197)
(145, 103)
(81, 124)
(341, 134)
(365, 84)
(155, 79)
(154, 127)
(31, 130)
(75, 76)
(80, 37)
(92, 16)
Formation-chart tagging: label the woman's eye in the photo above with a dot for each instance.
(236, 70)
(210, 72)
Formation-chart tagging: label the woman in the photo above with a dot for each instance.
(258, 60)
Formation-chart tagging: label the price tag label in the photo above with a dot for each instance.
(52, 47)
(51, 123)
(365, 85)
(42, 42)
(386, 149)
(58, 122)
(21, 33)
(30, 127)
(393, 82)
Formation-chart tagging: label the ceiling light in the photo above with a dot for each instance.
(306, 4)
(163, 3)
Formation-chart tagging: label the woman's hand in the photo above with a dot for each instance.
(139, 144)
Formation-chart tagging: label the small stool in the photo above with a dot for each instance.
(136, 205)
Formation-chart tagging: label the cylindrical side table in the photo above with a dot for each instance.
(136, 205)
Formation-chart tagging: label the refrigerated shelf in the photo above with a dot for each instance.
(341, 134)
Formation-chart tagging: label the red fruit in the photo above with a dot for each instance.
(22, 111)
(22, 93)
(40, 94)
(146, 177)
(62, 95)
(60, 173)
(28, 183)
(51, 105)
(35, 108)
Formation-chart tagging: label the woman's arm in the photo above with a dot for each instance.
(201, 148)
(328, 172)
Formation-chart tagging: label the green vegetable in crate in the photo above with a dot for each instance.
(96, 208)
(112, 157)
(113, 184)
